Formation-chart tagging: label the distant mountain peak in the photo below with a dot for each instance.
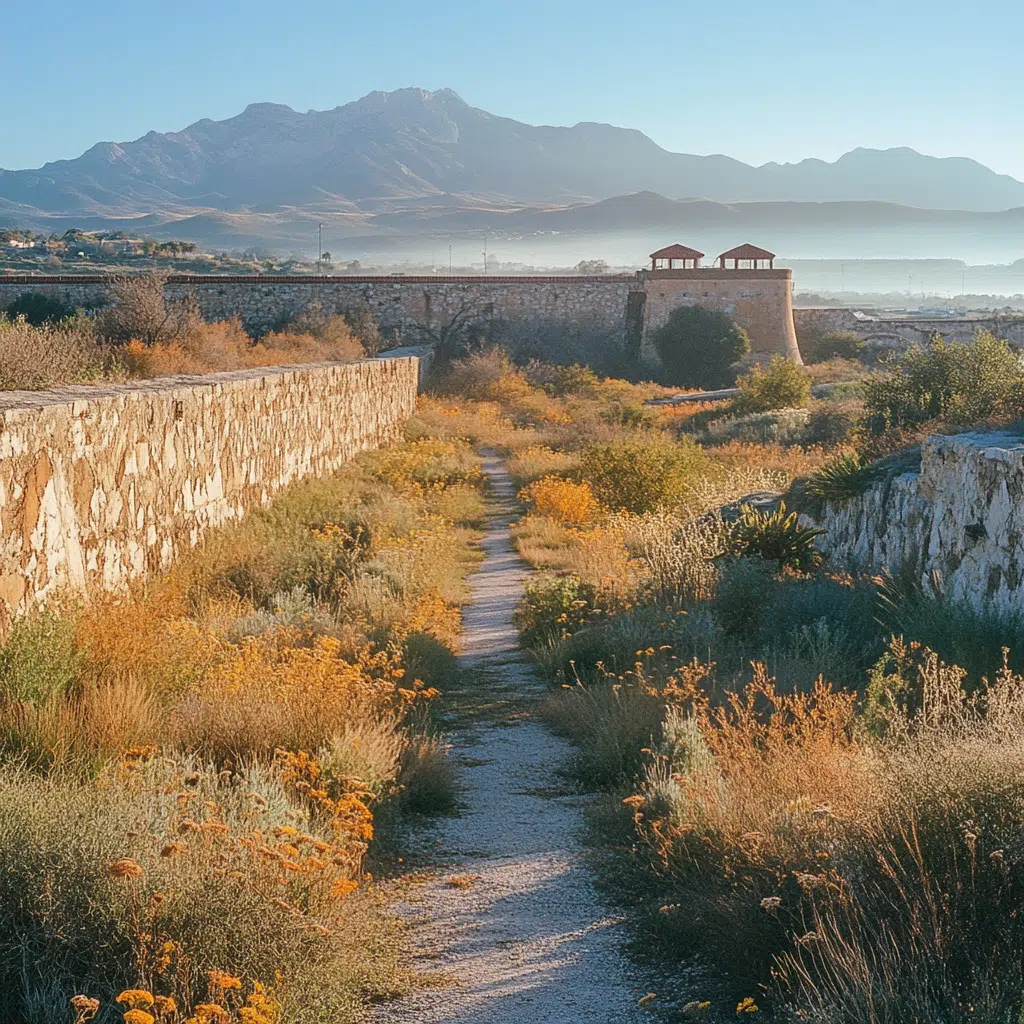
(403, 150)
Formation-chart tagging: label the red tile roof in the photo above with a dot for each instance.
(676, 252)
(747, 252)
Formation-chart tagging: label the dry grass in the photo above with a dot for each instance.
(233, 730)
(853, 872)
(32, 358)
(82, 351)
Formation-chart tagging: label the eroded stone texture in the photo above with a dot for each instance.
(100, 484)
(960, 517)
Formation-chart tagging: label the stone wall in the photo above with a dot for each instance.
(959, 517)
(414, 310)
(415, 307)
(101, 484)
(899, 332)
(758, 300)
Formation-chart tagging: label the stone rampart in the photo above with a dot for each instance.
(900, 332)
(418, 308)
(98, 485)
(421, 309)
(957, 519)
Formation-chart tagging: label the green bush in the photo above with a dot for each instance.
(779, 385)
(697, 346)
(553, 607)
(611, 727)
(39, 309)
(640, 474)
(820, 346)
(964, 382)
(776, 537)
(39, 658)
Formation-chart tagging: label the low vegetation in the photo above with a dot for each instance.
(193, 777)
(811, 780)
(139, 333)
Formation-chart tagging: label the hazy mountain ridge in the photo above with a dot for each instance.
(388, 149)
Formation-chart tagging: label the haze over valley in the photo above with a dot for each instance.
(399, 176)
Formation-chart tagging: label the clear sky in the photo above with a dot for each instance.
(758, 81)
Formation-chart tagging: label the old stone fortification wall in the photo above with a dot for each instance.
(412, 306)
(418, 309)
(960, 516)
(758, 300)
(100, 484)
(896, 332)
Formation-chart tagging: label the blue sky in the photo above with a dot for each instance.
(759, 81)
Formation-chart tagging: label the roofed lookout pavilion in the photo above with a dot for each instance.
(748, 257)
(676, 257)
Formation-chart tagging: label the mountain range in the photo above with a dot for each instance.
(398, 164)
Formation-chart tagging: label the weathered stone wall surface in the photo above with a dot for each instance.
(412, 306)
(101, 484)
(894, 332)
(758, 300)
(961, 516)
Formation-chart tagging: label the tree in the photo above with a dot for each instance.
(591, 267)
(138, 310)
(38, 308)
(458, 331)
(697, 346)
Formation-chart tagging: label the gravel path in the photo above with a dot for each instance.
(513, 919)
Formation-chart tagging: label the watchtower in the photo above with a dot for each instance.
(745, 284)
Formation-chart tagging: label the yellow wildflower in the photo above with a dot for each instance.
(135, 997)
(138, 1017)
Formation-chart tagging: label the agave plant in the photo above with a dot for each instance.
(776, 536)
(842, 478)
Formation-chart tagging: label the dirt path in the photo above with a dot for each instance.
(514, 918)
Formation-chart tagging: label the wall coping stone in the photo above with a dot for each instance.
(17, 400)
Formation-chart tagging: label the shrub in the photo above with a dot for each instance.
(639, 474)
(697, 346)
(477, 376)
(775, 536)
(785, 426)
(965, 382)
(573, 379)
(553, 607)
(48, 356)
(38, 309)
(138, 309)
(743, 592)
(820, 346)
(610, 724)
(561, 500)
(779, 385)
(678, 555)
